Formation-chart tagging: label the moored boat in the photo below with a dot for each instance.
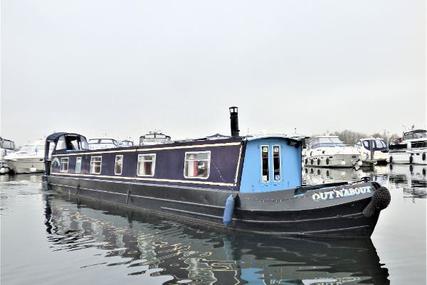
(126, 143)
(154, 137)
(6, 147)
(330, 151)
(102, 143)
(372, 151)
(239, 183)
(28, 159)
(410, 149)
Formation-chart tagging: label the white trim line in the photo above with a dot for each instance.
(147, 179)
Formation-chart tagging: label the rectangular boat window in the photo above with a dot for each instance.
(78, 168)
(118, 165)
(276, 162)
(64, 164)
(197, 164)
(146, 164)
(95, 164)
(264, 163)
(60, 145)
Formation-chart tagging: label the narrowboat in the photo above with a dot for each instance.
(235, 183)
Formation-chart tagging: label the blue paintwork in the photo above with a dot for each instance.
(251, 181)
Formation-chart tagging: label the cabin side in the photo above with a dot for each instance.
(212, 164)
(271, 164)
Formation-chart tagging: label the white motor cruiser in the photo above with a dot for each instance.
(28, 159)
(330, 151)
(154, 137)
(102, 143)
(372, 151)
(410, 149)
(6, 147)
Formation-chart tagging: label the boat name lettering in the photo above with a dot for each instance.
(342, 193)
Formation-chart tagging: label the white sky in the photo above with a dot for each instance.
(123, 68)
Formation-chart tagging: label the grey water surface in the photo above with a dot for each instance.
(51, 239)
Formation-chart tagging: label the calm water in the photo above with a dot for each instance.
(49, 239)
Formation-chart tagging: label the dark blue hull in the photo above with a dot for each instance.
(288, 212)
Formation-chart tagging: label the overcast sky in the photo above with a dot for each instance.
(122, 68)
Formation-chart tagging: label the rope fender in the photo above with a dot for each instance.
(379, 201)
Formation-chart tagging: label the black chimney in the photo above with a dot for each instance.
(234, 121)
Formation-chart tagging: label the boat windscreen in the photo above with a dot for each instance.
(7, 144)
(377, 144)
(326, 142)
(417, 134)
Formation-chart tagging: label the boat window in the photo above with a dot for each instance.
(366, 144)
(380, 144)
(118, 165)
(60, 145)
(146, 164)
(72, 143)
(197, 164)
(417, 134)
(84, 143)
(264, 162)
(64, 164)
(78, 168)
(95, 164)
(276, 162)
(7, 144)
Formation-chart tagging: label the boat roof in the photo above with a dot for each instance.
(371, 138)
(55, 136)
(324, 136)
(102, 139)
(2, 138)
(415, 131)
(260, 137)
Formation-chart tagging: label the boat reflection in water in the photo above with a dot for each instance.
(166, 252)
(411, 178)
(318, 175)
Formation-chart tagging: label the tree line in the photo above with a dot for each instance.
(351, 137)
